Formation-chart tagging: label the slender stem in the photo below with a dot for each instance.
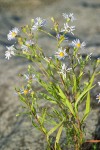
(47, 33)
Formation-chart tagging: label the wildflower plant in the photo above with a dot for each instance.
(62, 78)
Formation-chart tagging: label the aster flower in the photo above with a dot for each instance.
(30, 77)
(98, 97)
(29, 43)
(99, 83)
(69, 17)
(13, 33)
(24, 91)
(25, 47)
(39, 22)
(68, 28)
(10, 51)
(61, 54)
(59, 36)
(77, 44)
(64, 69)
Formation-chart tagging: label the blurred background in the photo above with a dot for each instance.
(16, 133)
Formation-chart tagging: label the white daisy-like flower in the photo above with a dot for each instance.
(13, 33)
(25, 47)
(39, 22)
(77, 44)
(69, 17)
(64, 69)
(10, 51)
(61, 54)
(98, 97)
(99, 83)
(30, 77)
(29, 43)
(68, 29)
(24, 91)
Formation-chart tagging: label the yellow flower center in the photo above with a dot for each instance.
(27, 44)
(13, 34)
(78, 45)
(61, 54)
(25, 92)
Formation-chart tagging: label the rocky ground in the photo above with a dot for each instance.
(16, 133)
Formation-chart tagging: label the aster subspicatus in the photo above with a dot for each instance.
(64, 69)
(25, 47)
(10, 52)
(68, 29)
(77, 44)
(13, 33)
(24, 91)
(69, 17)
(38, 22)
(61, 54)
(30, 77)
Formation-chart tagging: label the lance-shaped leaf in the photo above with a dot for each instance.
(58, 136)
(65, 101)
(54, 129)
(87, 110)
(80, 97)
(86, 90)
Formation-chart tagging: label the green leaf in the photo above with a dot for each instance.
(47, 97)
(80, 97)
(87, 110)
(58, 135)
(87, 89)
(54, 129)
(75, 83)
(66, 101)
(22, 98)
(43, 115)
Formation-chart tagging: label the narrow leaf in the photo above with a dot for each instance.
(79, 98)
(66, 101)
(58, 135)
(53, 129)
(87, 110)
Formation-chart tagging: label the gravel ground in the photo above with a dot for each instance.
(16, 133)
